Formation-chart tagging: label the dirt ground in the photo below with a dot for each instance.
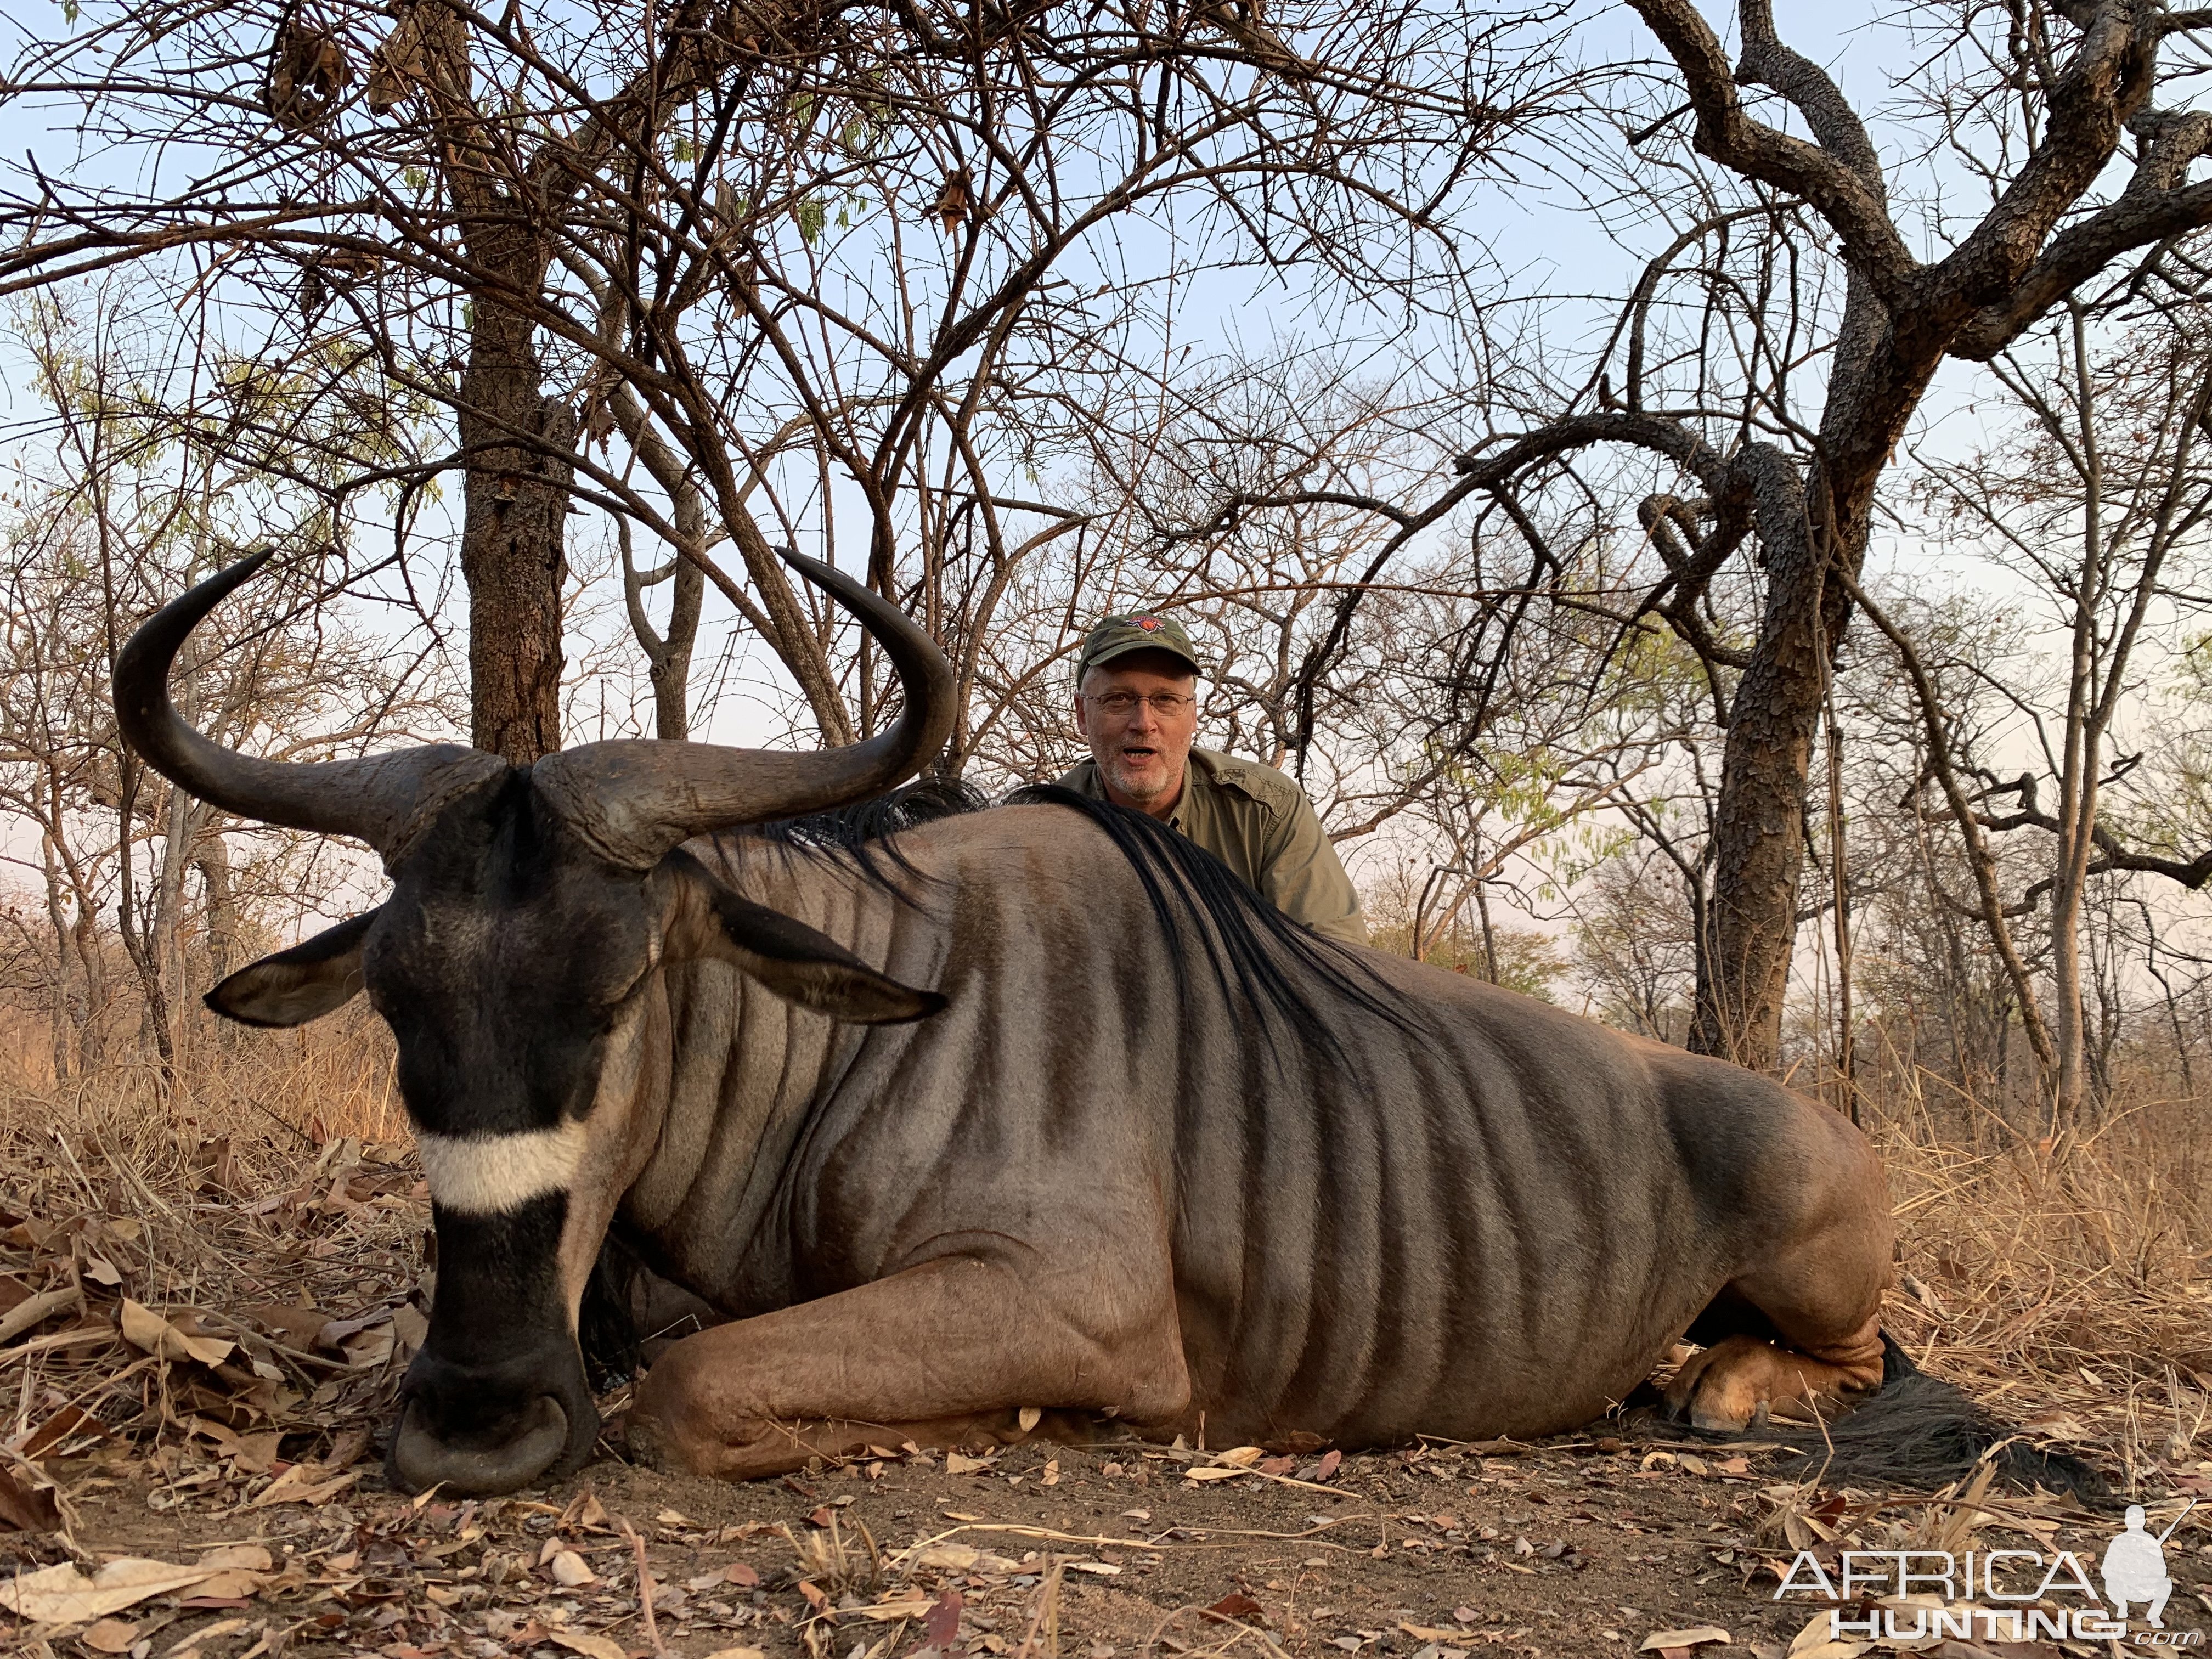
(1571, 1547)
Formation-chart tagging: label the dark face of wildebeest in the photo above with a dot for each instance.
(514, 961)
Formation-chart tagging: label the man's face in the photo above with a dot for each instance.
(1140, 751)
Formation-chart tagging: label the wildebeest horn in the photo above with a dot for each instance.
(373, 799)
(637, 798)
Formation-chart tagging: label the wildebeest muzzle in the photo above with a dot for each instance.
(498, 1397)
(482, 1432)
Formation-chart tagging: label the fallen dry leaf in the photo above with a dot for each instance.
(371, 1346)
(1814, 1637)
(1695, 1636)
(941, 1625)
(148, 1332)
(296, 1328)
(26, 1508)
(570, 1570)
(738, 1653)
(912, 1605)
(962, 1558)
(591, 1647)
(69, 1420)
(200, 1638)
(1825, 1649)
(1323, 1467)
(62, 1595)
(110, 1635)
(305, 1483)
(1237, 1607)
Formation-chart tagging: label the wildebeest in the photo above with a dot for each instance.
(1029, 1119)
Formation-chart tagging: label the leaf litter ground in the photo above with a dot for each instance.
(199, 1355)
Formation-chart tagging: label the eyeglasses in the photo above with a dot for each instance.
(1168, 705)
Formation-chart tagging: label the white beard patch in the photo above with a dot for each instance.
(490, 1175)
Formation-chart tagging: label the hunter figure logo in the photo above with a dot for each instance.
(2135, 1568)
(1918, 1594)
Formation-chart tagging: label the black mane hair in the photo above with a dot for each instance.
(1252, 948)
(1258, 956)
(857, 834)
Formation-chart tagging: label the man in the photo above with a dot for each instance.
(1136, 703)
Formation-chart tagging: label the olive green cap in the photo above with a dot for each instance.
(1111, 637)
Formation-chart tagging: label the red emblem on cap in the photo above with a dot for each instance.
(1149, 624)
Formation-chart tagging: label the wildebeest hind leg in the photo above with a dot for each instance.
(1820, 1294)
(944, 1353)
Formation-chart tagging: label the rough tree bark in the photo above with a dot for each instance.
(515, 479)
(514, 530)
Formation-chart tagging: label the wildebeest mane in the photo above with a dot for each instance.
(861, 835)
(1258, 956)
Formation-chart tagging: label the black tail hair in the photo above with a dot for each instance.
(605, 1330)
(1253, 949)
(1920, 1433)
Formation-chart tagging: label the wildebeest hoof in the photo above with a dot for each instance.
(742, 1448)
(643, 1439)
(1727, 1386)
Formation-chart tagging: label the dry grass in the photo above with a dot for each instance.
(2068, 1289)
(2067, 1286)
(269, 1197)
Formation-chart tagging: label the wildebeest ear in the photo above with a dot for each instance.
(298, 985)
(812, 968)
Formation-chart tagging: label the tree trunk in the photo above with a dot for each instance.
(155, 1018)
(668, 656)
(671, 671)
(165, 941)
(58, 919)
(214, 860)
(515, 481)
(1759, 828)
(1809, 524)
(91, 1031)
(513, 535)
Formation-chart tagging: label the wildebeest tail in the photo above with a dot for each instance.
(1919, 1432)
(604, 1330)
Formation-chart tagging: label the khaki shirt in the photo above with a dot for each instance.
(1261, 824)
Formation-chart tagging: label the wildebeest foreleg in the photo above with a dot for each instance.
(1819, 1289)
(941, 1354)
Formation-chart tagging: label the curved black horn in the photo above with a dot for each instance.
(372, 798)
(638, 798)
